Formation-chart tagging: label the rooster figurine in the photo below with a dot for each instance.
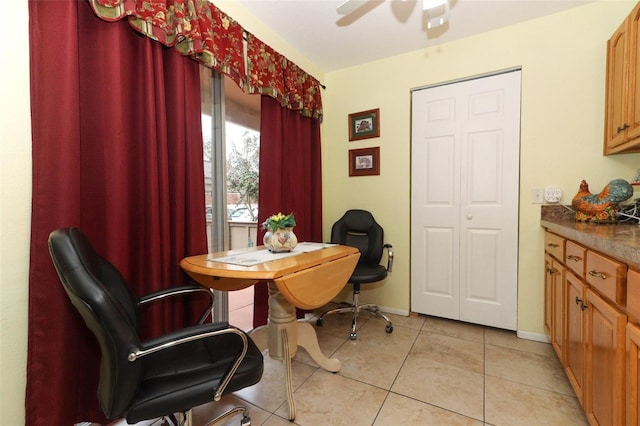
(600, 207)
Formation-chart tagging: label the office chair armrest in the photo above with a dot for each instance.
(179, 291)
(191, 334)
(389, 248)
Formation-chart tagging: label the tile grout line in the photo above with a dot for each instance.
(484, 375)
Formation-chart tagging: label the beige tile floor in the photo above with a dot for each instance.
(429, 371)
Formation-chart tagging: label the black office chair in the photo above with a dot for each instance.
(169, 374)
(358, 228)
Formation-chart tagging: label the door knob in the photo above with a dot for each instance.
(469, 216)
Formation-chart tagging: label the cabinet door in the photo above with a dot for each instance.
(633, 378)
(575, 334)
(557, 319)
(616, 88)
(633, 73)
(548, 292)
(605, 378)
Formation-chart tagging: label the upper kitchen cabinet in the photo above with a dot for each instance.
(622, 110)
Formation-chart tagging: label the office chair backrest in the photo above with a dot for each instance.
(110, 310)
(358, 228)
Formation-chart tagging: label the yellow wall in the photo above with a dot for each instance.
(15, 205)
(563, 78)
(562, 59)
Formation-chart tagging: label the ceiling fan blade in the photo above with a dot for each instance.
(349, 6)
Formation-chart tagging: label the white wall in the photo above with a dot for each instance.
(15, 210)
(563, 81)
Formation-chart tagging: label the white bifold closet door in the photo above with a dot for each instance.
(465, 157)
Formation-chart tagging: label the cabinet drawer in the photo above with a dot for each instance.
(574, 257)
(633, 294)
(554, 245)
(607, 276)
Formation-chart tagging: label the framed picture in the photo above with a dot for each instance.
(364, 124)
(364, 162)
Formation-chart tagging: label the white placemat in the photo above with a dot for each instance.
(262, 256)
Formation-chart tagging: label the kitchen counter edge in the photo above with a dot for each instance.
(619, 241)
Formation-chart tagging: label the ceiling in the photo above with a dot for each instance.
(384, 28)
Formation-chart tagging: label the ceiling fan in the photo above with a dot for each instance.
(436, 11)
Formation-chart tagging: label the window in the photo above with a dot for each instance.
(230, 133)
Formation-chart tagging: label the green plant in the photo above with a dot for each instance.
(279, 221)
(242, 170)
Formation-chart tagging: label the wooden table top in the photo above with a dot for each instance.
(228, 277)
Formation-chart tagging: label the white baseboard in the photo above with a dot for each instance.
(385, 309)
(533, 336)
(394, 311)
(527, 335)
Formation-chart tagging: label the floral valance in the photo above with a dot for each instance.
(272, 74)
(200, 30)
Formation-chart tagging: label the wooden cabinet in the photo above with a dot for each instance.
(632, 360)
(575, 256)
(586, 318)
(558, 301)
(548, 293)
(633, 296)
(622, 104)
(633, 370)
(554, 245)
(608, 276)
(575, 334)
(605, 367)
(554, 291)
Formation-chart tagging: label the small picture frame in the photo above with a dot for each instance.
(364, 162)
(364, 124)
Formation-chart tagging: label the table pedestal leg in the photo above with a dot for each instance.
(308, 340)
(288, 377)
(282, 317)
(282, 336)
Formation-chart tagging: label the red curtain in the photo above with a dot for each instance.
(290, 178)
(117, 151)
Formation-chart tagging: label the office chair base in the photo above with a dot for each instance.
(355, 310)
(245, 421)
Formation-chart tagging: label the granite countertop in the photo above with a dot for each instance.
(620, 241)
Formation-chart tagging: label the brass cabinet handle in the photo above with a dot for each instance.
(574, 258)
(578, 300)
(553, 245)
(597, 274)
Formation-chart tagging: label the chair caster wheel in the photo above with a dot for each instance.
(353, 336)
(319, 322)
(388, 328)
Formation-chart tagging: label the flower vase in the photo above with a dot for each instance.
(280, 240)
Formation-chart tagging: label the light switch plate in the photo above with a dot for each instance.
(537, 196)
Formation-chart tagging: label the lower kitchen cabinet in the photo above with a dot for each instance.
(558, 315)
(575, 334)
(586, 319)
(633, 349)
(548, 293)
(605, 366)
(633, 371)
